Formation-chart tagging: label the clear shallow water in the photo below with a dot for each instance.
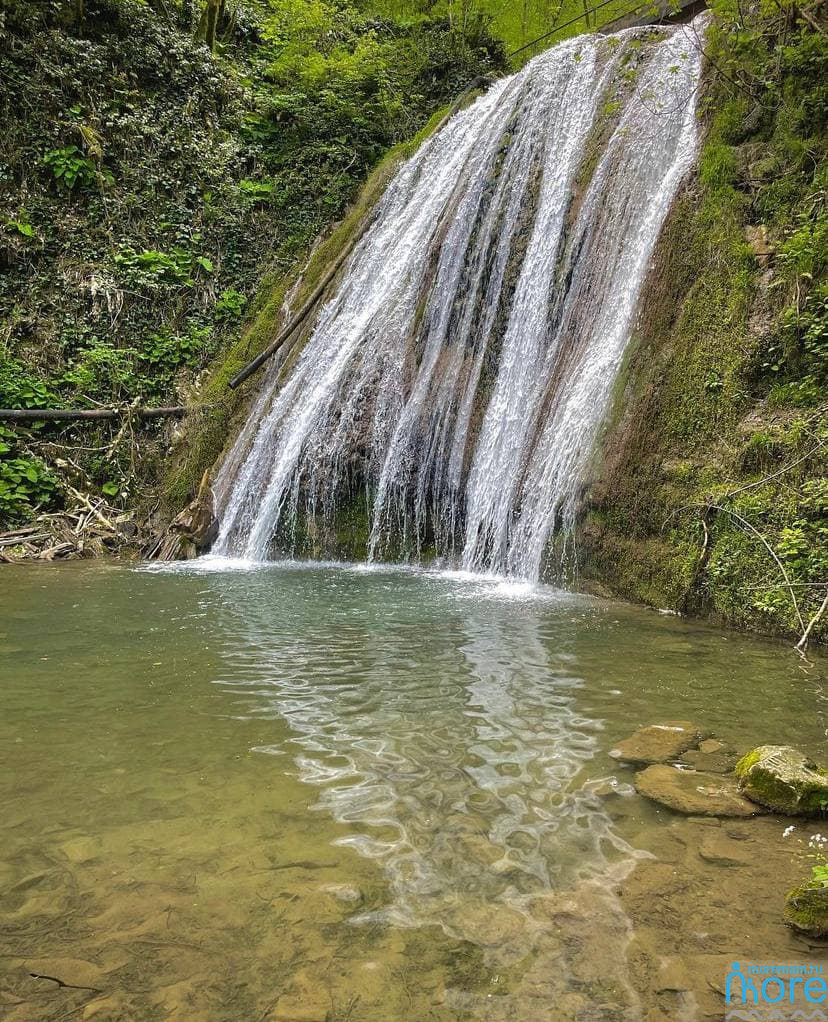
(309, 792)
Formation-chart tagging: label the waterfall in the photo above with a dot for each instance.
(456, 382)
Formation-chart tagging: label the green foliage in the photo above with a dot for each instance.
(146, 372)
(20, 388)
(731, 374)
(100, 370)
(229, 305)
(26, 485)
(20, 224)
(150, 269)
(72, 169)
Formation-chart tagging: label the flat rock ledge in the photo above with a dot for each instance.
(694, 792)
(784, 780)
(658, 743)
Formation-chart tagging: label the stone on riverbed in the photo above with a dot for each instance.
(806, 909)
(720, 849)
(658, 743)
(712, 756)
(694, 792)
(784, 780)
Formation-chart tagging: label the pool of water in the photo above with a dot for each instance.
(319, 792)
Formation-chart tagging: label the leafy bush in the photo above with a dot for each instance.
(70, 167)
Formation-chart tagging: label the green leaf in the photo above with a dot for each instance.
(110, 488)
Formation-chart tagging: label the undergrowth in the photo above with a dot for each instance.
(150, 188)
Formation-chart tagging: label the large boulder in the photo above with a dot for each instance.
(694, 792)
(784, 780)
(806, 909)
(658, 743)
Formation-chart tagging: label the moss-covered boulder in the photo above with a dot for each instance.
(784, 780)
(806, 909)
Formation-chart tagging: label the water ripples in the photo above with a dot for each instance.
(444, 731)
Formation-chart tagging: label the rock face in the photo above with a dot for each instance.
(694, 792)
(806, 909)
(784, 780)
(658, 743)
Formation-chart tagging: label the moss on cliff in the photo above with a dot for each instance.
(718, 442)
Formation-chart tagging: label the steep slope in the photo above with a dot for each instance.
(712, 497)
(148, 188)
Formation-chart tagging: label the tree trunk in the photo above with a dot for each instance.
(209, 22)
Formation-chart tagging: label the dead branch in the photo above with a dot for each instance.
(80, 414)
(802, 645)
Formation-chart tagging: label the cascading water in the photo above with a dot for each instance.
(460, 374)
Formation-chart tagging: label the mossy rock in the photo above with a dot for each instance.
(806, 909)
(784, 780)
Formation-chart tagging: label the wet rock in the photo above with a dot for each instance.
(693, 792)
(720, 850)
(784, 780)
(712, 756)
(192, 530)
(711, 745)
(658, 743)
(806, 909)
(760, 244)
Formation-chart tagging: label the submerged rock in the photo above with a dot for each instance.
(784, 780)
(694, 792)
(806, 909)
(713, 756)
(658, 743)
(720, 849)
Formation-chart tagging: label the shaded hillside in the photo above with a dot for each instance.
(148, 185)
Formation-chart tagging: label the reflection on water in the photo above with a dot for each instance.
(441, 729)
(309, 792)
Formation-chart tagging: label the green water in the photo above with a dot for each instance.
(322, 793)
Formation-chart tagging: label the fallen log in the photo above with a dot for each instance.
(26, 537)
(297, 320)
(79, 414)
(300, 317)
